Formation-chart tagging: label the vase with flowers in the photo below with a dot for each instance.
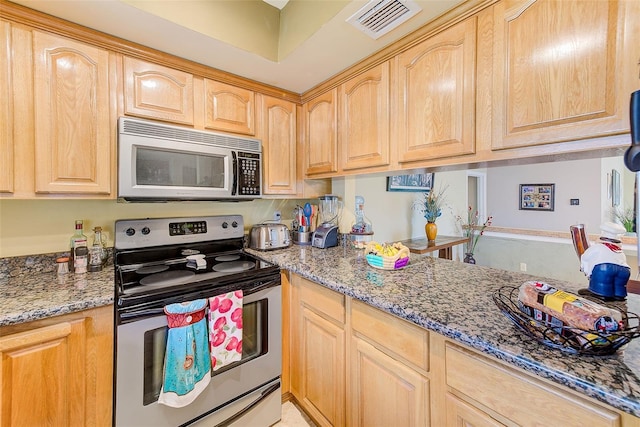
(430, 206)
(472, 231)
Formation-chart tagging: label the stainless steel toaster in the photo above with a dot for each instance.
(269, 236)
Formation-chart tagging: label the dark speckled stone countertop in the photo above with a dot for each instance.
(454, 299)
(31, 290)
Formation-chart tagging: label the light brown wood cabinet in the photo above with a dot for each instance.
(6, 112)
(321, 134)
(388, 380)
(157, 92)
(277, 130)
(318, 351)
(392, 372)
(74, 94)
(58, 371)
(564, 78)
(229, 108)
(363, 137)
(481, 383)
(435, 93)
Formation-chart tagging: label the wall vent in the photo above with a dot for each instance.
(378, 17)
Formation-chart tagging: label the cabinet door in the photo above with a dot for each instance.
(229, 108)
(364, 119)
(384, 391)
(158, 92)
(460, 413)
(75, 135)
(318, 351)
(42, 376)
(436, 95)
(6, 112)
(321, 140)
(563, 70)
(278, 135)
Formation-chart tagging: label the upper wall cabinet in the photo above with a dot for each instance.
(74, 135)
(158, 92)
(6, 112)
(364, 119)
(277, 130)
(320, 134)
(436, 95)
(563, 70)
(229, 108)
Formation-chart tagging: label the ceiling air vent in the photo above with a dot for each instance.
(378, 17)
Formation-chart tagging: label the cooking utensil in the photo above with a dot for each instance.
(307, 210)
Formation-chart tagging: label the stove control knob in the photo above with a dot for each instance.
(146, 231)
(234, 224)
(130, 231)
(225, 225)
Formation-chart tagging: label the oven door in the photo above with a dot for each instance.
(140, 349)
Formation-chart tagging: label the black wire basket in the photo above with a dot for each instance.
(565, 338)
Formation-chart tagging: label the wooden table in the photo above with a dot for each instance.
(442, 244)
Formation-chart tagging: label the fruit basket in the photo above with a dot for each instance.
(566, 338)
(387, 256)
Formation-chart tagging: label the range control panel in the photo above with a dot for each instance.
(140, 233)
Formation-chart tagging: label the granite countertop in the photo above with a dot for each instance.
(455, 300)
(448, 297)
(42, 294)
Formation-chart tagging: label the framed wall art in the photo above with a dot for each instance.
(537, 197)
(412, 182)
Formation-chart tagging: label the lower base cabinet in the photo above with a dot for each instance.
(58, 371)
(385, 392)
(355, 365)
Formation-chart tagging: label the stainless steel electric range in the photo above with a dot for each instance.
(162, 261)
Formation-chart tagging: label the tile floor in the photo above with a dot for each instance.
(293, 417)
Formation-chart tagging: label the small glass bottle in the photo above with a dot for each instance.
(78, 257)
(97, 251)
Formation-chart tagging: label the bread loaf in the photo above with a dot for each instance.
(540, 300)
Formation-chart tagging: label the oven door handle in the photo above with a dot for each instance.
(149, 312)
(265, 393)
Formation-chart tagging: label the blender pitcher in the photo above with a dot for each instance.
(330, 209)
(326, 235)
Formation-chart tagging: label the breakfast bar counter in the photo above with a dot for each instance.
(455, 300)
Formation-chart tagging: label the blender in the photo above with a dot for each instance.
(326, 235)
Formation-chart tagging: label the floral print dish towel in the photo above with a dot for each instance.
(225, 329)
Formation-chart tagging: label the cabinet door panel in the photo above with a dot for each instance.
(364, 119)
(460, 414)
(278, 134)
(386, 392)
(323, 384)
(321, 134)
(6, 112)
(74, 141)
(571, 80)
(158, 92)
(229, 108)
(436, 95)
(43, 376)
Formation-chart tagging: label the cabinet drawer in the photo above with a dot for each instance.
(399, 337)
(518, 397)
(320, 299)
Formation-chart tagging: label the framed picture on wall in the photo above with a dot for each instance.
(412, 182)
(537, 197)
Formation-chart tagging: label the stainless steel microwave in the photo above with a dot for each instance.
(162, 162)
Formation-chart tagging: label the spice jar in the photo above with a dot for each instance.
(62, 265)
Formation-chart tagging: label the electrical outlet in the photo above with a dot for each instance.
(277, 216)
(574, 202)
(523, 266)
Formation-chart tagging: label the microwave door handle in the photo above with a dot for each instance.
(234, 186)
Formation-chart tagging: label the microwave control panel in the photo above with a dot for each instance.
(249, 174)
